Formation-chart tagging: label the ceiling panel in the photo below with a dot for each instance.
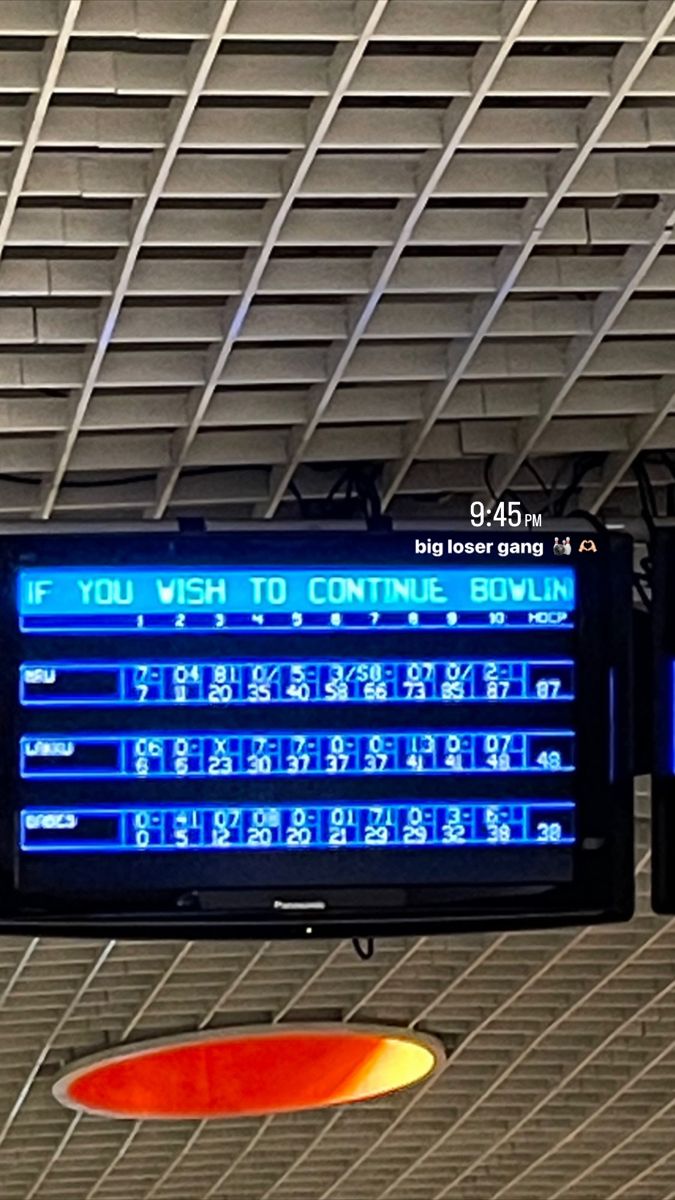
(246, 229)
(559, 1079)
(244, 246)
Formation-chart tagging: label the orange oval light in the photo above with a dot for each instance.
(248, 1072)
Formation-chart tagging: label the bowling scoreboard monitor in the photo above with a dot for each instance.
(312, 732)
(663, 722)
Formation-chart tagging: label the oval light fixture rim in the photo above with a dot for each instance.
(239, 1033)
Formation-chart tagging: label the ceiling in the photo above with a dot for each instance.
(247, 244)
(560, 1080)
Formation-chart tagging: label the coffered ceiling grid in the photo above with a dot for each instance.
(252, 242)
(625, 69)
(559, 1078)
(245, 243)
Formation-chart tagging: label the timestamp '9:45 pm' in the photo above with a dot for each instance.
(505, 513)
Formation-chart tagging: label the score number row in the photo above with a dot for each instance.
(49, 685)
(299, 826)
(139, 756)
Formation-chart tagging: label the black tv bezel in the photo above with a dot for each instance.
(602, 884)
(663, 693)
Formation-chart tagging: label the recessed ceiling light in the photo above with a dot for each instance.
(249, 1072)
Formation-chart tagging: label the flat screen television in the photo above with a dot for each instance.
(314, 732)
(663, 721)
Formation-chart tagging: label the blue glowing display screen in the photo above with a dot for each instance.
(198, 756)
(342, 707)
(342, 681)
(201, 600)
(673, 717)
(299, 826)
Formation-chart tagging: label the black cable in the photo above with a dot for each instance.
(666, 460)
(359, 481)
(365, 484)
(371, 484)
(302, 503)
(7, 478)
(353, 493)
(508, 493)
(647, 496)
(550, 508)
(116, 481)
(649, 510)
(582, 514)
(339, 482)
(639, 584)
(539, 478)
(553, 506)
(487, 467)
(364, 953)
(581, 466)
(361, 496)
